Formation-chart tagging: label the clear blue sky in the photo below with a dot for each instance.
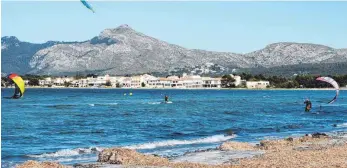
(219, 26)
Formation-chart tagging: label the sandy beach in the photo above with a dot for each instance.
(312, 150)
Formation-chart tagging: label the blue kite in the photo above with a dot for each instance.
(87, 5)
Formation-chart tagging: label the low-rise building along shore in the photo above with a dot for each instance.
(148, 81)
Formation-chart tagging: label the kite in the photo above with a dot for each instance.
(19, 85)
(86, 4)
(333, 83)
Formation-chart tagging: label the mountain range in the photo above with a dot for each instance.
(123, 50)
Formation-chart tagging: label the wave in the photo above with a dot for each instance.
(154, 102)
(70, 105)
(93, 150)
(61, 106)
(343, 125)
(49, 105)
(103, 104)
(152, 145)
(68, 152)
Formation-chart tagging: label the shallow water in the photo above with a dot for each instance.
(71, 125)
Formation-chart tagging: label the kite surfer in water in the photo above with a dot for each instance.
(19, 85)
(16, 93)
(308, 105)
(166, 99)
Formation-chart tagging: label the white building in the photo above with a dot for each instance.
(26, 82)
(80, 83)
(125, 82)
(114, 80)
(237, 80)
(98, 81)
(164, 83)
(136, 81)
(46, 82)
(151, 81)
(60, 81)
(176, 82)
(208, 82)
(194, 81)
(257, 84)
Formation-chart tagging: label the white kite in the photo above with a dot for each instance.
(332, 82)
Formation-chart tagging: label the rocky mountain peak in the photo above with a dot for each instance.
(8, 41)
(110, 33)
(295, 46)
(9, 38)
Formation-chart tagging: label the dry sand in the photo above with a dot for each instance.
(35, 164)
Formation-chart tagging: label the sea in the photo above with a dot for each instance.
(72, 125)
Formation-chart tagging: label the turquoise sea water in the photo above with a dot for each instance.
(72, 125)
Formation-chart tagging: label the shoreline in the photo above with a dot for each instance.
(317, 150)
(34, 87)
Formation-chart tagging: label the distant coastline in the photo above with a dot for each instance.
(145, 88)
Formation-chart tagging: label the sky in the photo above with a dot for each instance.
(226, 26)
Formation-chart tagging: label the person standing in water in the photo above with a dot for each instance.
(308, 105)
(16, 93)
(166, 98)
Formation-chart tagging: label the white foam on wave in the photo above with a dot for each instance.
(154, 102)
(68, 152)
(106, 104)
(102, 104)
(152, 145)
(342, 125)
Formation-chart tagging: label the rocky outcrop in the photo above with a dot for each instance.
(319, 135)
(129, 157)
(232, 145)
(292, 142)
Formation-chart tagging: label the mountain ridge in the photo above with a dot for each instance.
(123, 50)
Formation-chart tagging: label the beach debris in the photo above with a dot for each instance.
(291, 142)
(129, 157)
(229, 132)
(319, 135)
(290, 139)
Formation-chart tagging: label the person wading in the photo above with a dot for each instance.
(308, 105)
